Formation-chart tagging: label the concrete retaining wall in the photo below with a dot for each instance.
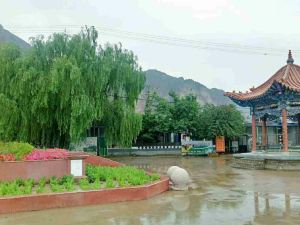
(282, 164)
(243, 163)
(268, 164)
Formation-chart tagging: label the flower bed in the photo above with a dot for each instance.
(97, 178)
(47, 154)
(16, 151)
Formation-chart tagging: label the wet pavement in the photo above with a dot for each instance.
(219, 194)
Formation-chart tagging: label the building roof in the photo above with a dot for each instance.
(288, 77)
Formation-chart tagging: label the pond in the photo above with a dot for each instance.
(219, 194)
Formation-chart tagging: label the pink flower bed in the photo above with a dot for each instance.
(51, 153)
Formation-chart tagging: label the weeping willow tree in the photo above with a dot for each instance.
(53, 93)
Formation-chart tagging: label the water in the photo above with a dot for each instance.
(219, 195)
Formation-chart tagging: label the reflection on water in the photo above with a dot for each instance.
(219, 194)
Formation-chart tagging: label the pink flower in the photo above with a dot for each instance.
(47, 154)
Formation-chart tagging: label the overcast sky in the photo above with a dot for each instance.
(228, 44)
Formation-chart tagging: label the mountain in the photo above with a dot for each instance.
(8, 37)
(163, 83)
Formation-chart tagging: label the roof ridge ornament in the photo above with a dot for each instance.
(290, 59)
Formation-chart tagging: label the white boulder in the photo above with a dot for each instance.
(171, 170)
(179, 178)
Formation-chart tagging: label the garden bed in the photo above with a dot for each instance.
(97, 177)
(82, 198)
(101, 185)
(36, 179)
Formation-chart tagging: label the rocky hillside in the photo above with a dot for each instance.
(163, 83)
(8, 37)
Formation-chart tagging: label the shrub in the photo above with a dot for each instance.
(96, 185)
(154, 176)
(7, 157)
(54, 185)
(20, 182)
(110, 183)
(17, 149)
(67, 182)
(55, 153)
(16, 187)
(124, 175)
(84, 184)
(42, 184)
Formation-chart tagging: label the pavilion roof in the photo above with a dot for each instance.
(288, 76)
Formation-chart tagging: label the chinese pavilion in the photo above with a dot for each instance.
(277, 98)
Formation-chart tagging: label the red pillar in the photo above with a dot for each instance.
(253, 133)
(264, 131)
(284, 130)
(298, 129)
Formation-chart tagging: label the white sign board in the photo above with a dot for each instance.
(76, 167)
(197, 143)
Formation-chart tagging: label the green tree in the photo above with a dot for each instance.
(157, 118)
(185, 112)
(223, 120)
(180, 115)
(52, 94)
(185, 115)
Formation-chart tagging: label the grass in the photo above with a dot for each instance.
(97, 178)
